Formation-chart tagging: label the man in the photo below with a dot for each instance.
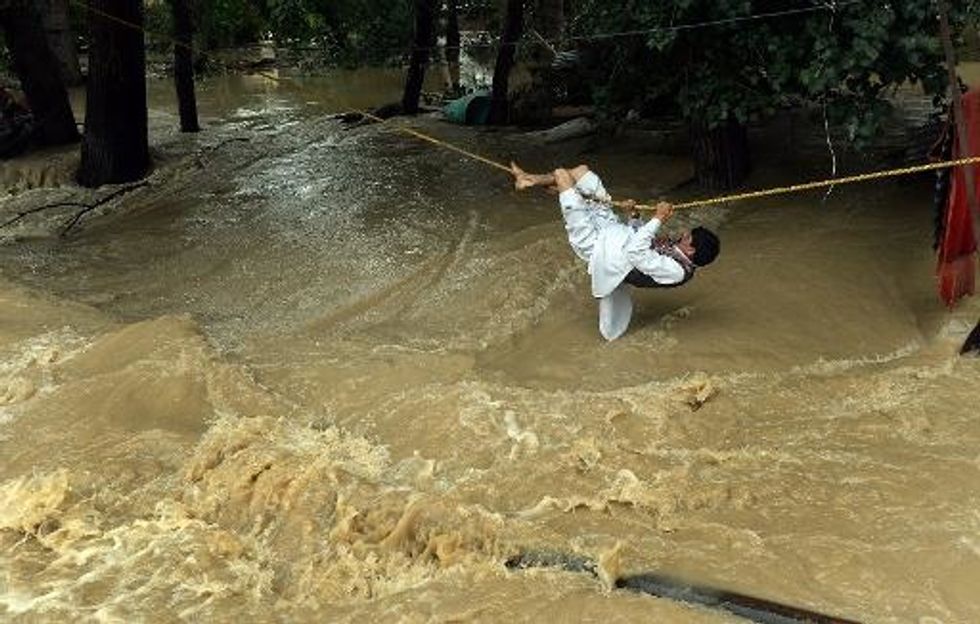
(620, 254)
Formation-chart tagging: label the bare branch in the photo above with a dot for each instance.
(89, 208)
(78, 215)
(21, 215)
(210, 150)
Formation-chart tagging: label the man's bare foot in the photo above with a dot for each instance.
(522, 180)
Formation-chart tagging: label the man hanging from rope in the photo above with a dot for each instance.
(620, 254)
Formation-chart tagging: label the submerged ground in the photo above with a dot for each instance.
(314, 373)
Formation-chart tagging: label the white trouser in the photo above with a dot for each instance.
(585, 218)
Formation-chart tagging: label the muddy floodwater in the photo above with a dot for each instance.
(313, 373)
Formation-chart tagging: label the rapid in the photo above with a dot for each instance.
(319, 373)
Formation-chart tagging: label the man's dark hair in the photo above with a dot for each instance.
(706, 246)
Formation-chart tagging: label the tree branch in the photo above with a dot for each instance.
(85, 208)
(210, 150)
(21, 215)
(89, 208)
(221, 144)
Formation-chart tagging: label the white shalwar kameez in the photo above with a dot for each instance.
(612, 249)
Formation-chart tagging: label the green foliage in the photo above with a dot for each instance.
(5, 67)
(848, 59)
(158, 21)
(369, 31)
(350, 31)
(226, 23)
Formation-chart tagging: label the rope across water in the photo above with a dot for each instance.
(722, 199)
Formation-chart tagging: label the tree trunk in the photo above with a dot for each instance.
(57, 26)
(513, 26)
(37, 70)
(721, 154)
(453, 44)
(425, 29)
(184, 65)
(115, 148)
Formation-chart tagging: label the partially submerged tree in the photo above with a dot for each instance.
(184, 65)
(38, 72)
(425, 38)
(114, 148)
(453, 42)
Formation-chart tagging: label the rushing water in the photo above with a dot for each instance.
(313, 373)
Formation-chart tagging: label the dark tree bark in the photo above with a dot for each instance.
(721, 154)
(184, 65)
(425, 29)
(513, 26)
(37, 70)
(54, 15)
(115, 147)
(453, 43)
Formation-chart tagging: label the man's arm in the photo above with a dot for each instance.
(664, 269)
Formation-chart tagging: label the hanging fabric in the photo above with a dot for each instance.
(956, 270)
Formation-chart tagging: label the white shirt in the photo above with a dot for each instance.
(619, 249)
(613, 249)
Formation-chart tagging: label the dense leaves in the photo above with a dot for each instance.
(4, 56)
(346, 31)
(845, 56)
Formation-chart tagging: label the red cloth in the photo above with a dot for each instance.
(956, 271)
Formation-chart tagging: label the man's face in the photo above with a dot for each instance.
(686, 245)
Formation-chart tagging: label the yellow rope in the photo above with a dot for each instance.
(796, 188)
(779, 190)
(440, 143)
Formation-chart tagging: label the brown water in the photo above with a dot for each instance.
(328, 374)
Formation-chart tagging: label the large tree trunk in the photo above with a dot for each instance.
(425, 29)
(513, 26)
(37, 70)
(54, 14)
(453, 44)
(115, 147)
(184, 65)
(721, 154)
